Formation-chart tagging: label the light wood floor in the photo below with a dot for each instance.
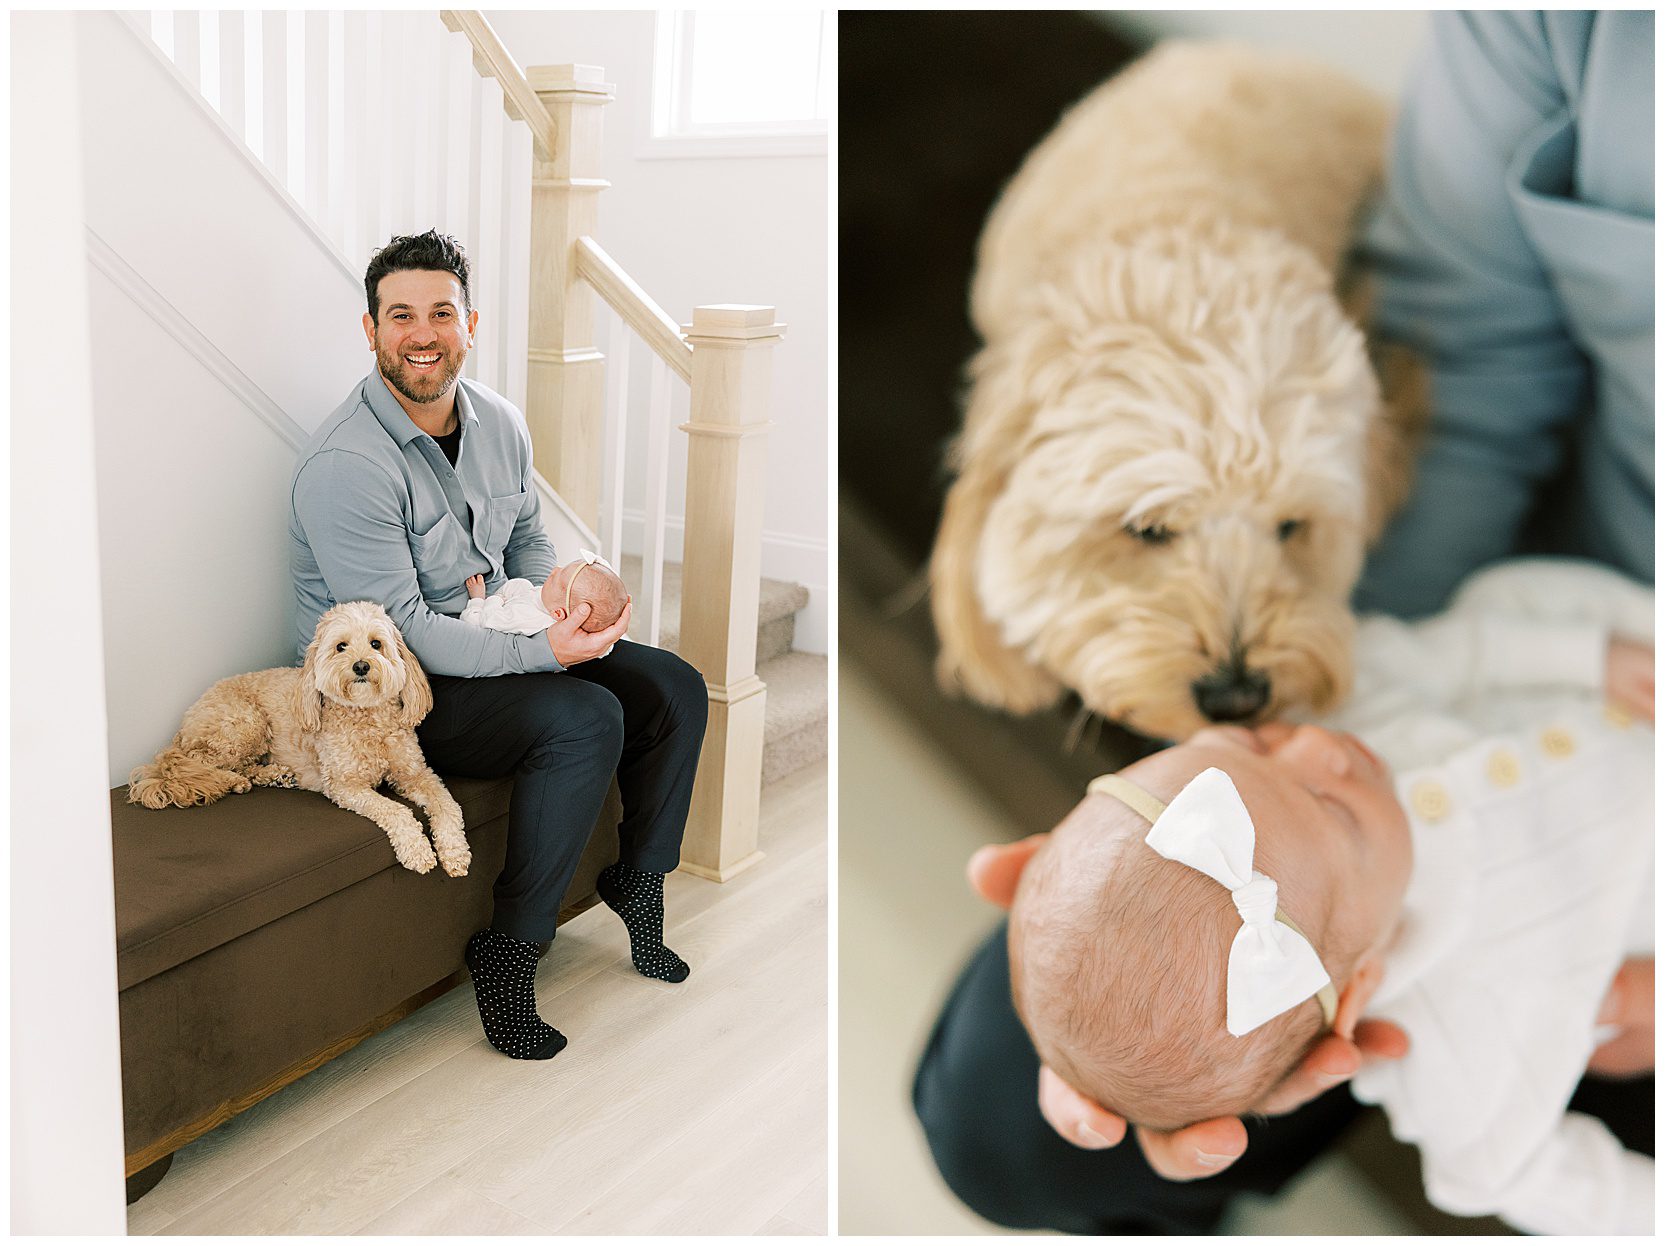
(694, 1108)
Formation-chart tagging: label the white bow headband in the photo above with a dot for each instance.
(1271, 967)
(591, 559)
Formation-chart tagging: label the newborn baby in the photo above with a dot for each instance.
(521, 607)
(1203, 917)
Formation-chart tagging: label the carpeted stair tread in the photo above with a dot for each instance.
(795, 713)
(778, 603)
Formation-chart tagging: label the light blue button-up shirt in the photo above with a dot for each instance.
(1514, 252)
(377, 513)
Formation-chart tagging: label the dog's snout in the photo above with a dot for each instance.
(1231, 692)
(361, 668)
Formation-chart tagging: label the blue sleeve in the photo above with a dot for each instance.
(1457, 281)
(530, 555)
(351, 513)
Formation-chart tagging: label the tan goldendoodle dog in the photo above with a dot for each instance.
(339, 724)
(1175, 448)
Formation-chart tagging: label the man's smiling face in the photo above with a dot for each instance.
(422, 333)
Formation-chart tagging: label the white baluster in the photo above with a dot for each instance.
(186, 52)
(613, 432)
(316, 71)
(336, 172)
(208, 58)
(427, 55)
(232, 72)
(653, 508)
(354, 236)
(372, 186)
(294, 100)
(161, 30)
(254, 92)
(459, 103)
(487, 251)
(274, 93)
(389, 82)
(468, 226)
(401, 88)
(517, 260)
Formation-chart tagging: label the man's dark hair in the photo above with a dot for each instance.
(432, 252)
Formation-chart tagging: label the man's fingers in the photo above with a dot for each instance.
(1331, 1061)
(994, 870)
(1629, 1002)
(1077, 1118)
(1381, 1040)
(620, 625)
(1628, 1055)
(1199, 1150)
(1334, 1060)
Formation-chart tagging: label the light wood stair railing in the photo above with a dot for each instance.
(724, 357)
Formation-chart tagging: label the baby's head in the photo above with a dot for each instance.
(586, 580)
(1119, 954)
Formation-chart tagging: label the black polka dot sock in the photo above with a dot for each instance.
(638, 896)
(503, 968)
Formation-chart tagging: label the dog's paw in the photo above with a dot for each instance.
(415, 853)
(454, 858)
(273, 776)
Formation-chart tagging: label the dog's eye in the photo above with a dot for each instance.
(342, 647)
(1290, 527)
(1150, 534)
(375, 644)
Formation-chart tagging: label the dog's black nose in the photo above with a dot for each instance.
(361, 667)
(1231, 693)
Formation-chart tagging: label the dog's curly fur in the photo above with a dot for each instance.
(1175, 448)
(324, 727)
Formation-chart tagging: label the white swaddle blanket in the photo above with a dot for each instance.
(516, 607)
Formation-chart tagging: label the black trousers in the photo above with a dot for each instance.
(975, 1096)
(639, 711)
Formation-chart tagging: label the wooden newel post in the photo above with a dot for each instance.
(722, 565)
(564, 372)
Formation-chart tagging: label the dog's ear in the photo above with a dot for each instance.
(973, 658)
(1395, 435)
(309, 702)
(417, 698)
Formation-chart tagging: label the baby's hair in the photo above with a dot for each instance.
(604, 591)
(1118, 960)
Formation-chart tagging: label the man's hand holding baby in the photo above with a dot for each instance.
(1630, 676)
(1627, 1012)
(571, 644)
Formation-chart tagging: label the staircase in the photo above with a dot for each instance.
(795, 714)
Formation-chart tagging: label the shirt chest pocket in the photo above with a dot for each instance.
(438, 555)
(501, 514)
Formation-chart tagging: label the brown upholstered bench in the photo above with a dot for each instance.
(261, 936)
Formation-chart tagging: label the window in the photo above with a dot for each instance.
(741, 84)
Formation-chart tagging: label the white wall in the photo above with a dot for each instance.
(716, 230)
(223, 331)
(66, 1125)
(1375, 46)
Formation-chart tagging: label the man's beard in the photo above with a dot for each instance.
(419, 389)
